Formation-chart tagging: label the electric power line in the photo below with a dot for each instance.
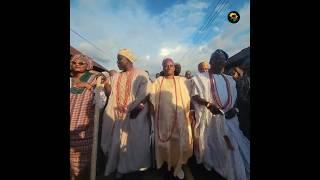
(217, 10)
(91, 43)
(192, 53)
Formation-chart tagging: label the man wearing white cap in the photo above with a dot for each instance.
(126, 127)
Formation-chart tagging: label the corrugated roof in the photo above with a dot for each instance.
(242, 58)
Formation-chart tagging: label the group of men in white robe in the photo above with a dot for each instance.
(138, 111)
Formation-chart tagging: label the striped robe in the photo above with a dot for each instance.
(126, 141)
(81, 128)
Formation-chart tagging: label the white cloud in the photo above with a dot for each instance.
(164, 52)
(151, 38)
(170, 51)
(231, 37)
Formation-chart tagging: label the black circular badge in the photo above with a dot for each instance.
(233, 16)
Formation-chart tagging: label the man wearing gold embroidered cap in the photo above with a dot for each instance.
(127, 53)
(203, 66)
(125, 59)
(125, 126)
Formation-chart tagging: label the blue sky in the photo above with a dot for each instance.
(186, 30)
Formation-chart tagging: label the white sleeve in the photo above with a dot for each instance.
(194, 88)
(101, 99)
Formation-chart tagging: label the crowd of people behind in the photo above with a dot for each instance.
(147, 123)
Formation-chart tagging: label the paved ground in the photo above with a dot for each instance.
(192, 172)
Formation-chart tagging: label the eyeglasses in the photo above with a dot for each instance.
(79, 63)
(169, 66)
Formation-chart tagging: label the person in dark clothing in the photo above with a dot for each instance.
(243, 100)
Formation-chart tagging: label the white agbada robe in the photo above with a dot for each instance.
(125, 141)
(177, 149)
(209, 130)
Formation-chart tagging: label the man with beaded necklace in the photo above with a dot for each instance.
(126, 124)
(220, 144)
(170, 97)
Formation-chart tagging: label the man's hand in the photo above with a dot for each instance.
(231, 113)
(213, 109)
(135, 112)
(107, 88)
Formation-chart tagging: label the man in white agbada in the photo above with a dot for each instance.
(170, 97)
(219, 143)
(126, 126)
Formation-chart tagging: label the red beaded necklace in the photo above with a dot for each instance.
(175, 115)
(215, 93)
(121, 106)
